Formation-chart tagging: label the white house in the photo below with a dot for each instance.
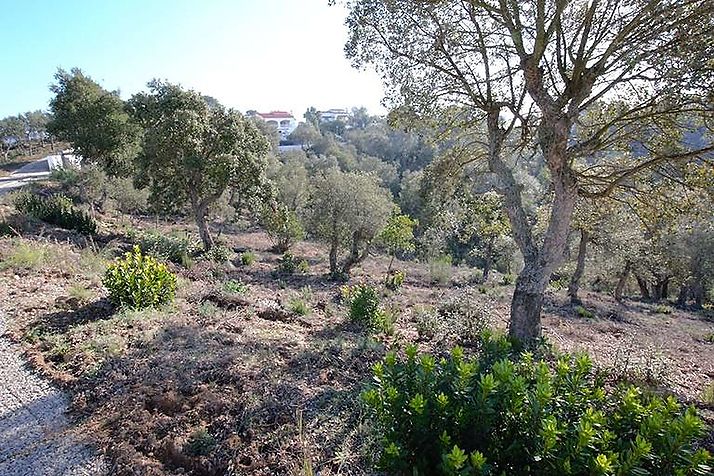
(335, 115)
(283, 121)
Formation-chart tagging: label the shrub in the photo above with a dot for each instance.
(365, 307)
(218, 254)
(56, 210)
(503, 413)
(708, 394)
(234, 286)
(177, 248)
(200, 443)
(461, 318)
(247, 258)
(394, 280)
(290, 264)
(507, 280)
(139, 281)
(583, 312)
(440, 269)
(283, 227)
(299, 307)
(26, 256)
(662, 309)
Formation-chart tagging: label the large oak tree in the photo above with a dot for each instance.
(511, 81)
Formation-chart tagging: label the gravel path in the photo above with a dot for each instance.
(35, 437)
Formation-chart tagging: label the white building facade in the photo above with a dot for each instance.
(283, 121)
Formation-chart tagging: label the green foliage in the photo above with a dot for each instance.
(460, 318)
(57, 210)
(504, 413)
(139, 281)
(94, 121)
(583, 312)
(218, 254)
(440, 269)
(235, 286)
(282, 226)
(299, 307)
(708, 394)
(290, 264)
(247, 258)
(662, 309)
(508, 280)
(398, 234)
(201, 442)
(395, 280)
(178, 248)
(193, 151)
(365, 307)
(26, 256)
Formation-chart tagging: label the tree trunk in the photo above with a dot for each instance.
(334, 245)
(660, 289)
(200, 213)
(527, 304)
(580, 267)
(622, 281)
(683, 295)
(354, 256)
(488, 261)
(644, 290)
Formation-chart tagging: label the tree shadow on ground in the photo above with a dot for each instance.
(60, 321)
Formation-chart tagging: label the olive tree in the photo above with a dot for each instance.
(510, 81)
(94, 121)
(193, 151)
(347, 210)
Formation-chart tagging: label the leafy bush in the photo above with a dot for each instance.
(139, 281)
(502, 413)
(234, 286)
(283, 227)
(290, 264)
(218, 254)
(662, 309)
(57, 210)
(365, 307)
(507, 280)
(440, 269)
(177, 248)
(26, 256)
(394, 280)
(201, 443)
(247, 258)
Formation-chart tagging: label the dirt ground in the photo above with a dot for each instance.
(229, 383)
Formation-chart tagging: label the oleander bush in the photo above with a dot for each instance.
(505, 413)
(139, 281)
(56, 210)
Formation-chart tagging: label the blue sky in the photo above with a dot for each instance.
(248, 54)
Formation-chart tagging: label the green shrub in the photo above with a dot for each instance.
(662, 309)
(394, 280)
(507, 414)
(708, 394)
(440, 269)
(218, 253)
(139, 281)
(583, 312)
(560, 283)
(247, 258)
(290, 264)
(201, 443)
(26, 256)
(235, 286)
(179, 248)
(283, 227)
(299, 307)
(461, 318)
(56, 210)
(365, 307)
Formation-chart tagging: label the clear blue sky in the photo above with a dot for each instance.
(248, 54)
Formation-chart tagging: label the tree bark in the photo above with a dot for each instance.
(622, 281)
(683, 295)
(200, 213)
(644, 290)
(574, 285)
(354, 257)
(334, 245)
(488, 261)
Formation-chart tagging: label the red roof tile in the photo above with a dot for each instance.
(276, 115)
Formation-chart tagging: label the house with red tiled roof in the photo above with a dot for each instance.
(283, 121)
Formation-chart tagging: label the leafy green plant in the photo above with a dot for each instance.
(507, 280)
(662, 309)
(247, 258)
(299, 307)
(365, 307)
(460, 318)
(504, 412)
(218, 254)
(583, 312)
(139, 281)
(201, 442)
(290, 264)
(56, 210)
(708, 394)
(26, 256)
(394, 280)
(235, 286)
